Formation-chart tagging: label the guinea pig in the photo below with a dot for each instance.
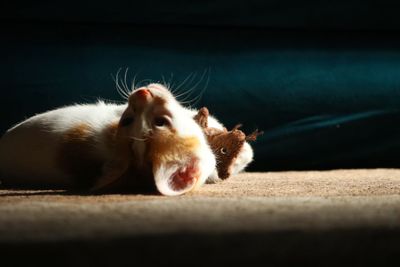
(152, 139)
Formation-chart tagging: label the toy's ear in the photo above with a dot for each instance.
(202, 117)
(253, 136)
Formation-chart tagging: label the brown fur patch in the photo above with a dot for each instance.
(110, 133)
(76, 155)
(168, 147)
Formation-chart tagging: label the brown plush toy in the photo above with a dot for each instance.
(225, 144)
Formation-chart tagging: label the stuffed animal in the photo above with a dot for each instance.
(225, 144)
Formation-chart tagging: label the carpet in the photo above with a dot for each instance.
(278, 218)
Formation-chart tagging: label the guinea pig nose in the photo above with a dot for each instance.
(140, 98)
(144, 93)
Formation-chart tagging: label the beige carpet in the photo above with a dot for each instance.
(288, 216)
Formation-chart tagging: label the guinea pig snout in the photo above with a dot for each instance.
(141, 97)
(143, 93)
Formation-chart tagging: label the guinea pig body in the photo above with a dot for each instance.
(38, 151)
(94, 146)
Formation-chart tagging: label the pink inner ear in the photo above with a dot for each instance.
(177, 178)
(185, 177)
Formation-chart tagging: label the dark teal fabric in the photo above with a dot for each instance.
(271, 14)
(324, 99)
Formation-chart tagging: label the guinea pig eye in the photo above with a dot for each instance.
(161, 121)
(126, 121)
(223, 151)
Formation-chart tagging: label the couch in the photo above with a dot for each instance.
(320, 78)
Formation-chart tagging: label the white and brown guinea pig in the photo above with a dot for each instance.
(150, 140)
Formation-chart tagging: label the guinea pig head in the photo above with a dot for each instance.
(156, 132)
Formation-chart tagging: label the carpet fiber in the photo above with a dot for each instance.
(325, 217)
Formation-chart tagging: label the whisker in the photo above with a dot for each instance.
(198, 97)
(181, 84)
(164, 82)
(189, 92)
(121, 91)
(171, 85)
(195, 86)
(110, 100)
(138, 139)
(125, 83)
(203, 90)
(117, 86)
(133, 84)
(120, 87)
(148, 81)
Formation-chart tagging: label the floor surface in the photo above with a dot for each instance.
(279, 218)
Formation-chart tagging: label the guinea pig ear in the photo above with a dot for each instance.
(176, 169)
(253, 136)
(112, 172)
(174, 179)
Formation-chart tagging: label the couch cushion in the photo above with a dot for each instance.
(324, 100)
(283, 14)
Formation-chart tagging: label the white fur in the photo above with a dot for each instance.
(244, 158)
(28, 150)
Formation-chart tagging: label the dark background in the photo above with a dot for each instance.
(321, 78)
